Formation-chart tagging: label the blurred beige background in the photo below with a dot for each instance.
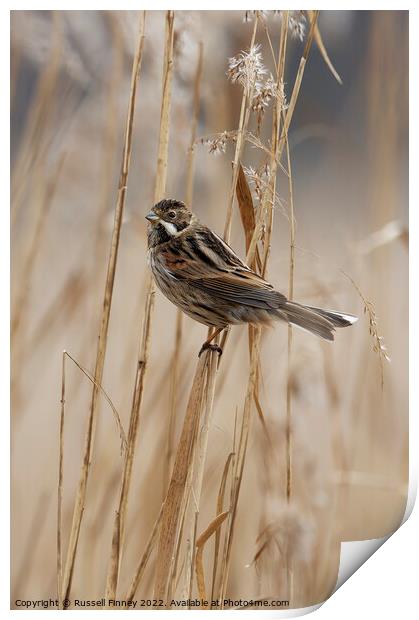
(70, 78)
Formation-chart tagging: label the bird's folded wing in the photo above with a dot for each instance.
(206, 262)
(243, 288)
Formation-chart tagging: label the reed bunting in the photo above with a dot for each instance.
(198, 272)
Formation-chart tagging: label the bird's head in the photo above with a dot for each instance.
(168, 218)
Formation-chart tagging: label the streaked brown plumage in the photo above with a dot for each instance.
(197, 271)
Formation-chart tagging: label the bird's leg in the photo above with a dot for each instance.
(207, 344)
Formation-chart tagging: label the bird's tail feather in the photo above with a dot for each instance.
(320, 322)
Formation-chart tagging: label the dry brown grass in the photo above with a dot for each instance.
(143, 357)
(80, 499)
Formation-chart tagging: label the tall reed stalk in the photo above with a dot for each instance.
(266, 211)
(143, 356)
(241, 140)
(178, 495)
(179, 314)
(80, 498)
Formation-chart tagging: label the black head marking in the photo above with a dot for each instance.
(168, 218)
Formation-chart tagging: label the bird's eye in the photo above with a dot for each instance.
(171, 214)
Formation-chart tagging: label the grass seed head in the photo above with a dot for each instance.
(247, 69)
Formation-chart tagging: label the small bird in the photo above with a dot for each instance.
(202, 275)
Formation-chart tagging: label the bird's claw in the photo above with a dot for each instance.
(211, 347)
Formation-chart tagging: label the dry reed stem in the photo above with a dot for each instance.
(243, 125)
(192, 556)
(268, 36)
(176, 570)
(212, 369)
(117, 417)
(177, 497)
(212, 528)
(323, 51)
(266, 207)
(103, 332)
(194, 125)
(60, 488)
(142, 564)
(240, 459)
(247, 212)
(240, 142)
(161, 172)
(277, 147)
(178, 491)
(244, 119)
(120, 516)
(288, 117)
(259, 406)
(297, 83)
(110, 137)
(173, 392)
(268, 197)
(179, 314)
(219, 509)
(201, 450)
(61, 457)
(142, 364)
(267, 210)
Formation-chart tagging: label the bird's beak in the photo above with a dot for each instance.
(152, 217)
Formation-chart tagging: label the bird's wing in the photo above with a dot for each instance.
(205, 261)
(247, 289)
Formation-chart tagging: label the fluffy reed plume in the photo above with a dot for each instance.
(245, 109)
(297, 24)
(65, 581)
(218, 144)
(248, 70)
